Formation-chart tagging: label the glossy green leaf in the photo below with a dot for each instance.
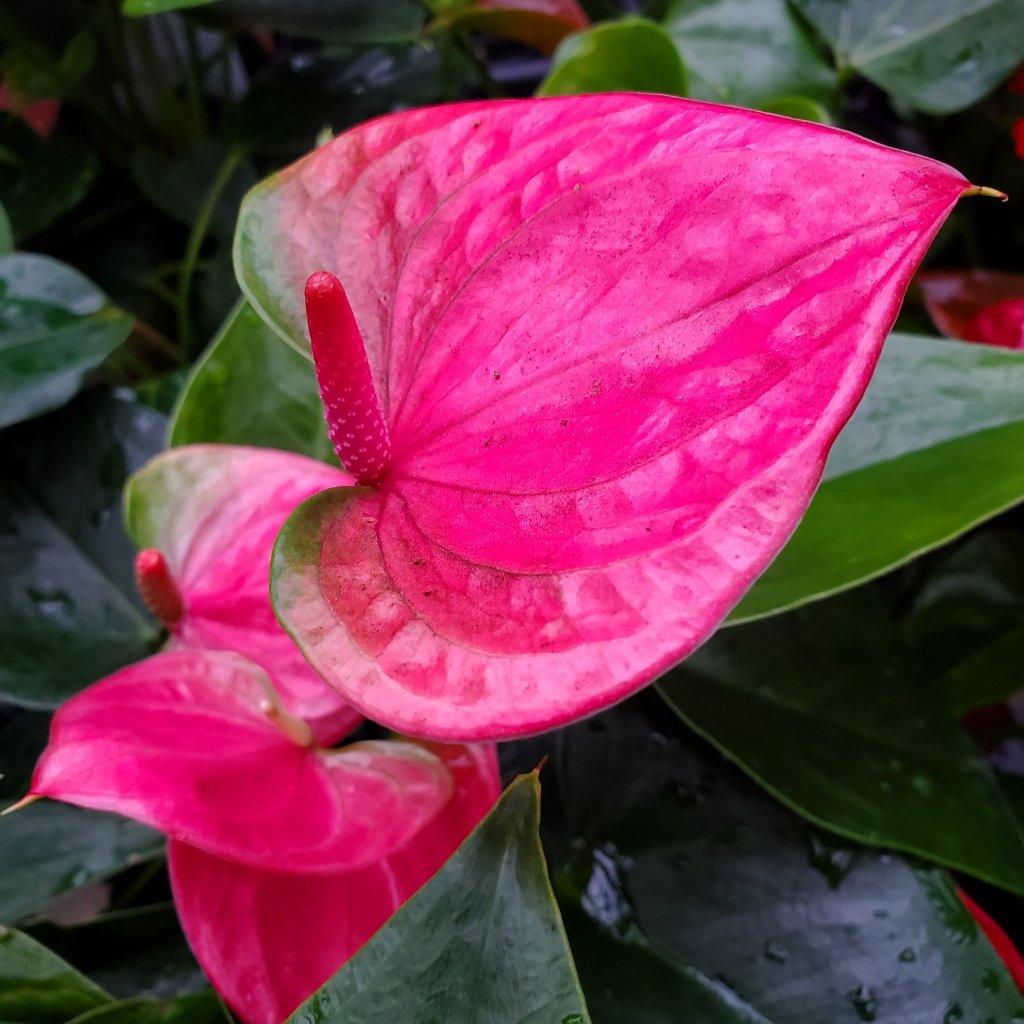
(987, 676)
(68, 611)
(37, 987)
(48, 849)
(55, 326)
(481, 941)
(938, 56)
(698, 883)
(935, 447)
(140, 8)
(251, 388)
(746, 51)
(201, 1008)
(830, 712)
(630, 55)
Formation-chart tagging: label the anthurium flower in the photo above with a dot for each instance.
(285, 857)
(40, 115)
(206, 517)
(605, 345)
(197, 745)
(538, 23)
(986, 306)
(268, 939)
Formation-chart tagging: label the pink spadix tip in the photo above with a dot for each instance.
(157, 587)
(354, 421)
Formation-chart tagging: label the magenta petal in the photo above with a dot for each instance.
(613, 338)
(182, 742)
(214, 511)
(268, 939)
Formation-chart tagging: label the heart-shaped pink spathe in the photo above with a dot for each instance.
(612, 339)
(206, 517)
(268, 939)
(197, 745)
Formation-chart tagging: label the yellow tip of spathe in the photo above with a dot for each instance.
(984, 190)
(24, 802)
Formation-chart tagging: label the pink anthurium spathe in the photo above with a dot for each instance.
(206, 517)
(197, 745)
(268, 939)
(611, 339)
(538, 23)
(986, 306)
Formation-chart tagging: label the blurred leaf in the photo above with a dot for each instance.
(68, 610)
(988, 676)
(40, 179)
(482, 940)
(6, 237)
(139, 952)
(201, 1008)
(55, 326)
(631, 55)
(251, 388)
(180, 187)
(681, 863)
(935, 447)
(746, 51)
(799, 107)
(831, 713)
(939, 56)
(348, 20)
(48, 849)
(37, 987)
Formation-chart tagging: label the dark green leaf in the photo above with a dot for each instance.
(201, 1008)
(55, 326)
(37, 987)
(746, 51)
(938, 56)
(481, 941)
(631, 55)
(252, 388)
(682, 864)
(40, 179)
(180, 187)
(988, 676)
(935, 447)
(68, 612)
(131, 953)
(48, 849)
(6, 236)
(830, 712)
(348, 20)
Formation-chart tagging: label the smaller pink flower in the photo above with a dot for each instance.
(285, 857)
(206, 517)
(986, 306)
(1018, 136)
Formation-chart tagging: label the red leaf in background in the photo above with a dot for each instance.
(541, 24)
(613, 338)
(40, 115)
(1018, 137)
(1002, 942)
(196, 744)
(976, 305)
(207, 516)
(268, 939)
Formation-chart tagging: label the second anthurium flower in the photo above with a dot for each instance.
(285, 856)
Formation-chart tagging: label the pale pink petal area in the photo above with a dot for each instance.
(187, 743)
(214, 511)
(613, 338)
(954, 298)
(268, 939)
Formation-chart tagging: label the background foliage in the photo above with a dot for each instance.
(775, 835)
